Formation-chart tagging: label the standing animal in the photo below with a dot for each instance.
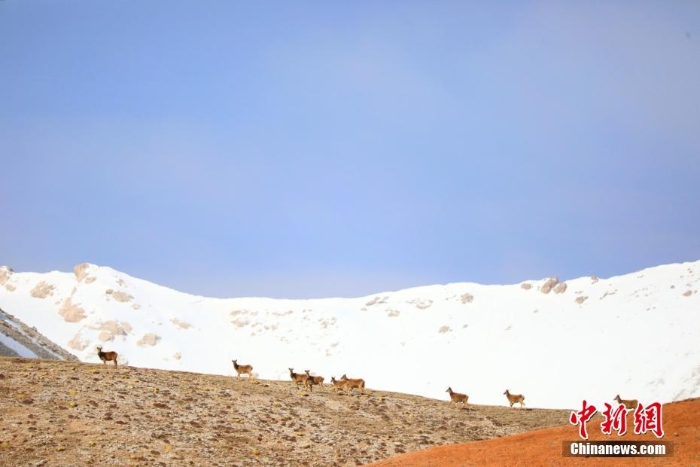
(630, 404)
(242, 369)
(350, 384)
(317, 380)
(457, 397)
(515, 398)
(107, 356)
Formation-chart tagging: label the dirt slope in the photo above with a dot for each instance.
(57, 413)
(681, 422)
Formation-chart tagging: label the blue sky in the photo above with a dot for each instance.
(323, 149)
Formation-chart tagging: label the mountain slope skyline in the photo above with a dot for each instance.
(588, 337)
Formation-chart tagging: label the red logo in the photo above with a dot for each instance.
(645, 419)
(581, 417)
(614, 419)
(648, 419)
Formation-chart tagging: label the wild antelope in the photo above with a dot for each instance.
(242, 369)
(299, 378)
(515, 398)
(630, 404)
(107, 356)
(457, 397)
(317, 380)
(350, 384)
(338, 385)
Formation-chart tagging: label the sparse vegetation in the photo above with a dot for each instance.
(156, 417)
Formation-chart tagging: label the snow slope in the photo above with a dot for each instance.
(636, 334)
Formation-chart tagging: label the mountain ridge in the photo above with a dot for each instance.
(386, 337)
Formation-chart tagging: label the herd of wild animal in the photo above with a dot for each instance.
(346, 384)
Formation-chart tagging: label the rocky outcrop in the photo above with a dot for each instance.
(31, 339)
(42, 290)
(71, 312)
(549, 285)
(149, 339)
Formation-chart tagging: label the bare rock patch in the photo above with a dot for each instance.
(608, 293)
(81, 271)
(560, 287)
(5, 273)
(71, 312)
(580, 300)
(42, 290)
(526, 286)
(122, 297)
(149, 339)
(422, 304)
(181, 324)
(377, 300)
(110, 329)
(549, 285)
(77, 343)
(466, 298)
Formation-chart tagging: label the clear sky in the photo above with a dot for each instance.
(315, 149)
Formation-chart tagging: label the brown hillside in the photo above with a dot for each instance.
(681, 422)
(57, 413)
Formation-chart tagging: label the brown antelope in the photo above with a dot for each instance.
(515, 398)
(242, 369)
(630, 404)
(299, 378)
(317, 380)
(107, 356)
(457, 398)
(338, 385)
(350, 384)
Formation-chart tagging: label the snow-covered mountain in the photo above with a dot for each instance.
(555, 342)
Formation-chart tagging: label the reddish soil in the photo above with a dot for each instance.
(681, 424)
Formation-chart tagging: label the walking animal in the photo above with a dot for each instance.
(457, 398)
(630, 404)
(515, 398)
